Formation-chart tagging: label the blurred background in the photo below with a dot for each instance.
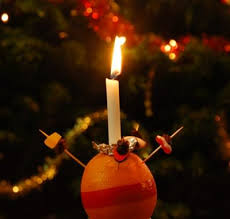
(54, 58)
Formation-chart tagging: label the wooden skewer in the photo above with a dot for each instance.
(65, 150)
(155, 151)
(74, 158)
(43, 133)
(177, 131)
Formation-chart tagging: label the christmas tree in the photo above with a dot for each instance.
(55, 56)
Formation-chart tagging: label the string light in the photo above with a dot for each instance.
(115, 19)
(87, 5)
(167, 48)
(95, 15)
(172, 56)
(89, 10)
(73, 12)
(227, 48)
(226, 1)
(103, 28)
(173, 43)
(148, 94)
(5, 17)
(49, 168)
(15, 189)
(63, 35)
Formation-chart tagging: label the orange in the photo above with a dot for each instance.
(112, 190)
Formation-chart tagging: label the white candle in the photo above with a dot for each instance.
(112, 92)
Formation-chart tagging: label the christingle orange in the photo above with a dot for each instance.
(116, 183)
(112, 189)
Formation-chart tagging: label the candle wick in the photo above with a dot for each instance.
(114, 75)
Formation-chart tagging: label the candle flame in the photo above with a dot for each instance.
(116, 61)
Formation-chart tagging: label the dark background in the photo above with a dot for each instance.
(53, 65)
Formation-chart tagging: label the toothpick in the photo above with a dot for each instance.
(74, 158)
(155, 151)
(177, 131)
(43, 133)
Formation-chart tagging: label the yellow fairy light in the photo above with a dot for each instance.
(73, 12)
(167, 48)
(63, 35)
(89, 10)
(15, 189)
(87, 119)
(44, 177)
(5, 17)
(84, 126)
(172, 56)
(28, 182)
(173, 43)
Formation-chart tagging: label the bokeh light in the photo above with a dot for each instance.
(95, 15)
(115, 19)
(5, 17)
(89, 10)
(172, 56)
(173, 43)
(167, 48)
(15, 189)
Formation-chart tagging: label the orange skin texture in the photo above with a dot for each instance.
(112, 190)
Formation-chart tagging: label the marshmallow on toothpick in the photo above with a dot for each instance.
(163, 144)
(53, 140)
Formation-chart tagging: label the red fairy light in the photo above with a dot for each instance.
(95, 15)
(227, 48)
(87, 4)
(226, 2)
(115, 19)
(86, 14)
(96, 28)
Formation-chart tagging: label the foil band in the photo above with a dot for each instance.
(108, 149)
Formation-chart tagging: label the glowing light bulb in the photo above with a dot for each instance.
(95, 15)
(63, 35)
(172, 56)
(227, 48)
(115, 19)
(5, 17)
(89, 10)
(217, 118)
(173, 43)
(15, 189)
(167, 48)
(87, 4)
(73, 12)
